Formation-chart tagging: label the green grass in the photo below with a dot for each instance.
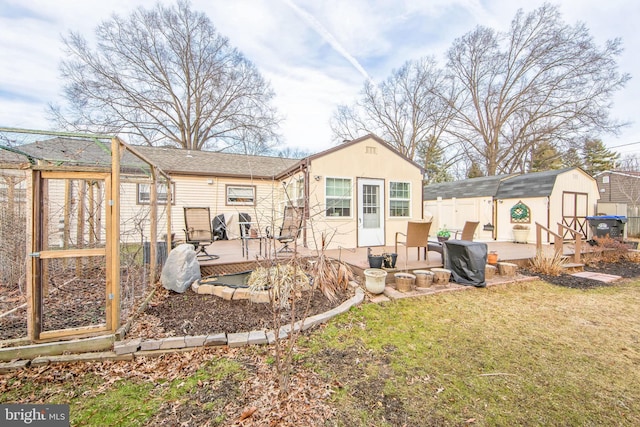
(131, 401)
(526, 354)
(522, 354)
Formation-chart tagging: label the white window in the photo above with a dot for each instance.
(338, 197)
(144, 194)
(241, 195)
(399, 199)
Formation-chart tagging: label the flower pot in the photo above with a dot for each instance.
(375, 261)
(424, 278)
(374, 280)
(520, 235)
(492, 258)
(441, 277)
(405, 281)
(442, 239)
(390, 260)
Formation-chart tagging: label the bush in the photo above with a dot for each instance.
(548, 265)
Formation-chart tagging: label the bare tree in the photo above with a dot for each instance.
(408, 110)
(541, 80)
(166, 75)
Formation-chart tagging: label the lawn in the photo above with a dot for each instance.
(529, 353)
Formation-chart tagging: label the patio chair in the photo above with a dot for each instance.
(219, 226)
(290, 229)
(198, 232)
(468, 231)
(417, 236)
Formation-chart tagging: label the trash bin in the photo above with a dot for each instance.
(467, 261)
(607, 225)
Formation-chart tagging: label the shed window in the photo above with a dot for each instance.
(338, 197)
(241, 195)
(399, 199)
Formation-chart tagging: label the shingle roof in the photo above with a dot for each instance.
(174, 160)
(171, 160)
(75, 152)
(536, 184)
(485, 186)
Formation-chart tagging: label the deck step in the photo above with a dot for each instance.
(572, 267)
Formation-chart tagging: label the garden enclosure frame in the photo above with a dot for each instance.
(84, 267)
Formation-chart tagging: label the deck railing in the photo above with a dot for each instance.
(558, 240)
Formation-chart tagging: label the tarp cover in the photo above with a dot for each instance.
(466, 260)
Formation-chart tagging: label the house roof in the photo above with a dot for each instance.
(71, 152)
(82, 152)
(536, 184)
(209, 163)
(485, 186)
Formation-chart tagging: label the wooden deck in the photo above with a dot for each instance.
(232, 260)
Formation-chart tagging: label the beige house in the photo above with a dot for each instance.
(357, 194)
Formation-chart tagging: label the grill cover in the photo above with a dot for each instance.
(467, 261)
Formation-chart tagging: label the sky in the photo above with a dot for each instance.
(315, 54)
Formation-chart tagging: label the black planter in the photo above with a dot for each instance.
(375, 261)
(390, 260)
(442, 239)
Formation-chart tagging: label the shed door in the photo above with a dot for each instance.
(575, 207)
(370, 212)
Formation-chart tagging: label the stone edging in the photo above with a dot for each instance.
(139, 346)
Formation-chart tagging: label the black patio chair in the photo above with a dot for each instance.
(220, 228)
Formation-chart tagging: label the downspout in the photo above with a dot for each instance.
(305, 208)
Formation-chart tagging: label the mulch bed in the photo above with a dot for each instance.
(624, 269)
(189, 313)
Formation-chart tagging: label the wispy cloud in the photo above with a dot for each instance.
(328, 37)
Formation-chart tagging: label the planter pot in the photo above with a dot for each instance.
(492, 258)
(375, 261)
(374, 280)
(390, 260)
(441, 277)
(424, 278)
(520, 236)
(405, 281)
(442, 239)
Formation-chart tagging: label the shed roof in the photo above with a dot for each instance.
(485, 186)
(536, 184)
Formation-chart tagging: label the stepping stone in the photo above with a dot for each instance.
(607, 278)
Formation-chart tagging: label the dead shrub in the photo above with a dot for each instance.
(609, 250)
(548, 265)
